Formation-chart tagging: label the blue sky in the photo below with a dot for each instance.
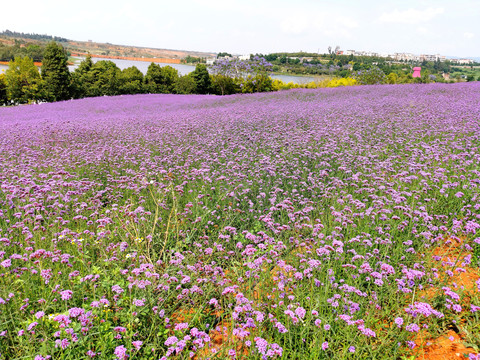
(251, 26)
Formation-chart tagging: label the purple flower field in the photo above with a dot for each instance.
(305, 224)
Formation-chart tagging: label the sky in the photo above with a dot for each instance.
(259, 26)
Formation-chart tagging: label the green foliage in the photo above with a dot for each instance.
(471, 78)
(392, 78)
(82, 76)
(8, 53)
(185, 85)
(193, 59)
(106, 76)
(3, 90)
(160, 79)
(258, 83)
(99, 79)
(476, 255)
(201, 76)
(372, 76)
(55, 73)
(405, 79)
(131, 81)
(223, 54)
(24, 84)
(33, 36)
(224, 85)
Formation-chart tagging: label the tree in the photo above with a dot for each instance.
(24, 84)
(3, 90)
(55, 73)
(392, 78)
(372, 76)
(105, 76)
(223, 54)
(185, 84)
(203, 84)
(224, 85)
(160, 79)
(82, 77)
(99, 79)
(131, 81)
(35, 52)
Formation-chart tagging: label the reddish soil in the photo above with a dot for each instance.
(7, 62)
(146, 59)
(450, 345)
(446, 347)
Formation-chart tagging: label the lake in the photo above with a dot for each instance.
(182, 69)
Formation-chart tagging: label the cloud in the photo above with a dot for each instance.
(410, 16)
(295, 24)
(423, 30)
(469, 35)
(308, 23)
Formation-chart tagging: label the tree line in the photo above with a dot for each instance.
(32, 36)
(302, 63)
(24, 83)
(33, 51)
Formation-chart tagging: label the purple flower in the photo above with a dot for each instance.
(137, 344)
(172, 340)
(75, 312)
(63, 343)
(412, 328)
(39, 314)
(281, 328)
(300, 312)
(66, 294)
(137, 302)
(325, 345)
(181, 326)
(399, 321)
(6, 263)
(121, 352)
(117, 289)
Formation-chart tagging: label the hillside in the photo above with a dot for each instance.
(10, 38)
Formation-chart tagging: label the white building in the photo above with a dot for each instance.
(462, 61)
(436, 57)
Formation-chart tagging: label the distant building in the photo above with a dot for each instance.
(463, 61)
(405, 57)
(244, 57)
(210, 61)
(306, 59)
(436, 57)
(416, 72)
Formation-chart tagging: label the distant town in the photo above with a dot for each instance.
(401, 57)
(406, 56)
